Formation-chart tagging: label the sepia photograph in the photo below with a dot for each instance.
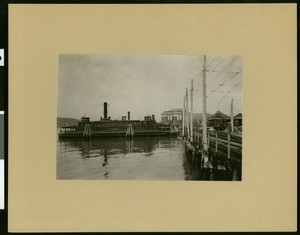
(149, 117)
(133, 117)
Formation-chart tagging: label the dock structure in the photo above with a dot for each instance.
(129, 131)
(216, 152)
(87, 131)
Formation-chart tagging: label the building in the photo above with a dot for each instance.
(218, 114)
(238, 120)
(174, 116)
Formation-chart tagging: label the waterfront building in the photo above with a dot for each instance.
(173, 116)
(238, 119)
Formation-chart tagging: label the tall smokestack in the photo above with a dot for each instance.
(153, 117)
(105, 110)
(128, 115)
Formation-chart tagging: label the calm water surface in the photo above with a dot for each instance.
(148, 158)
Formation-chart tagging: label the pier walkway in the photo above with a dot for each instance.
(224, 153)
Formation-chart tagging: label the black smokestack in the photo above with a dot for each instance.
(128, 115)
(105, 110)
(153, 117)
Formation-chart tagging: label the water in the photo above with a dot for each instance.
(148, 158)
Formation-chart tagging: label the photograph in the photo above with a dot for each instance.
(149, 117)
(131, 117)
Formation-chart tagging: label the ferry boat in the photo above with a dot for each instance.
(106, 127)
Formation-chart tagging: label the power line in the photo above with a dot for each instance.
(217, 60)
(228, 93)
(228, 69)
(216, 71)
(214, 63)
(222, 84)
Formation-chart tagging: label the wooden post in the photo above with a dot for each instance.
(187, 111)
(228, 145)
(182, 116)
(191, 124)
(88, 130)
(204, 119)
(231, 116)
(84, 130)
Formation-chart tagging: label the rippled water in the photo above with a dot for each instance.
(148, 158)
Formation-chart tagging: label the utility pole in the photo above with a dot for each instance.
(191, 124)
(204, 119)
(231, 116)
(182, 116)
(187, 111)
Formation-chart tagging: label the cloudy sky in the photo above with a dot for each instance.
(144, 84)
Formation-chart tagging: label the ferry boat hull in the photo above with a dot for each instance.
(68, 135)
(106, 127)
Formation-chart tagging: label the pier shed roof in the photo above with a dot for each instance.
(238, 116)
(223, 115)
(172, 111)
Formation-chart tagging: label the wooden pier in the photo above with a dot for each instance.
(224, 153)
(217, 154)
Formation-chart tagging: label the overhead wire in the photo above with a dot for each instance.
(228, 69)
(228, 93)
(210, 67)
(217, 60)
(223, 83)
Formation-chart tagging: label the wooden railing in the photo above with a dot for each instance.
(222, 141)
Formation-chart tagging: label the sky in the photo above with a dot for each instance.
(145, 84)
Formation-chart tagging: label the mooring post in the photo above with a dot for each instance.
(84, 131)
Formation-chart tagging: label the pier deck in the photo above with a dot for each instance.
(224, 152)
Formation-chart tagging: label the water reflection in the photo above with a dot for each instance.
(112, 146)
(120, 158)
(149, 158)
